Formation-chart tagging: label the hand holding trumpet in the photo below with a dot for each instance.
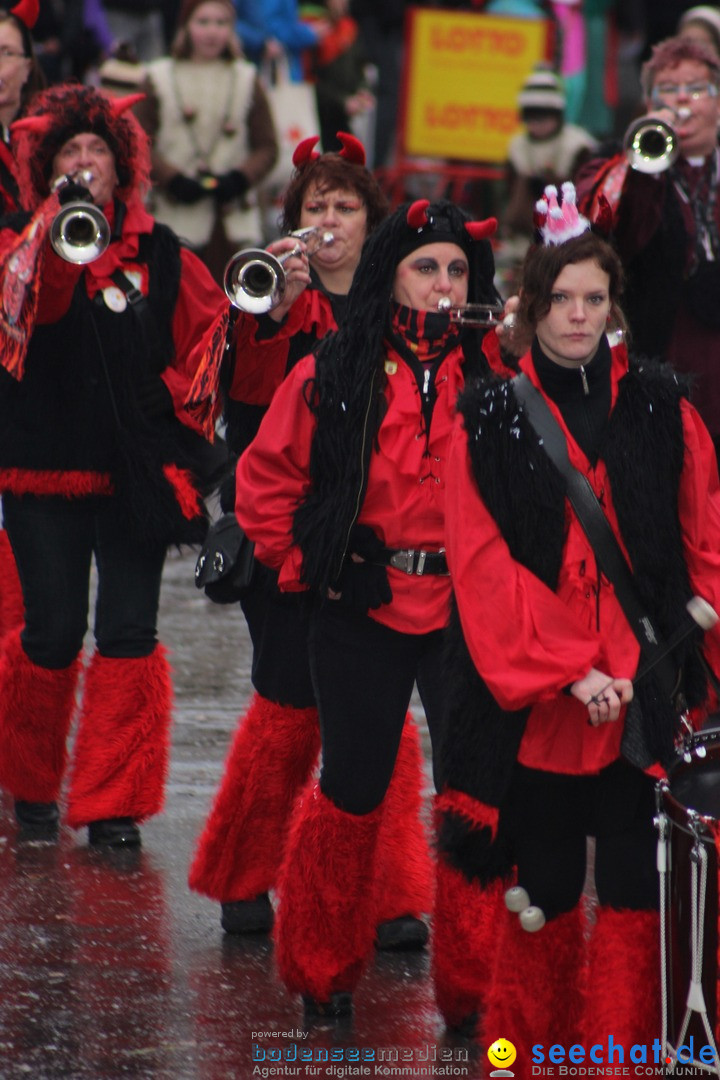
(297, 272)
(269, 280)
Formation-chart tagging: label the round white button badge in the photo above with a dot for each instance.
(114, 298)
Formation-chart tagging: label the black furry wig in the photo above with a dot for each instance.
(346, 394)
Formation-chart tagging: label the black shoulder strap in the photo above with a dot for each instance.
(599, 532)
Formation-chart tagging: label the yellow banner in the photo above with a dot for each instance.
(462, 78)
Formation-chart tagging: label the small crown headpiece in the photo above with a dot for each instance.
(558, 221)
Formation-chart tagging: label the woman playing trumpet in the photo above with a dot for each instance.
(343, 490)
(277, 742)
(667, 225)
(96, 460)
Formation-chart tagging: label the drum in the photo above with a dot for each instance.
(688, 822)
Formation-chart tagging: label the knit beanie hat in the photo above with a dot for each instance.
(61, 112)
(703, 13)
(542, 91)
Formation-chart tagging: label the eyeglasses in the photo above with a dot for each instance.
(8, 54)
(694, 90)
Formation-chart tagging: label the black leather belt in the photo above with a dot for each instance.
(415, 562)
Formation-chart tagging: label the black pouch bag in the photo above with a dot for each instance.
(226, 564)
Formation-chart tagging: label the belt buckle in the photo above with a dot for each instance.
(422, 555)
(403, 560)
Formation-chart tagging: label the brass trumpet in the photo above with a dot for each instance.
(79, 232)
(651, 145)
(255, 280)
(472, 315)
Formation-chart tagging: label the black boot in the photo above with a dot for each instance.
(337, 1007)
(119, 832)
(248, 916)
(37, 820)
(406, 934)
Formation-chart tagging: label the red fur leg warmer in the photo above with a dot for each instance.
(240, 849)
(623, 995)
(36, 706)
(12, 607)
(465, 922)
(324, 929)
(403, 869)
(122, 746)
(535, 994)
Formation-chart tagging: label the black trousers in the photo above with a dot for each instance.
(279, 625)
(363, 674)
(54, 540)
(549, 816)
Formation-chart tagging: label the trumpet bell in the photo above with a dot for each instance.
(651, 145)
(472, 315)
(254, 281)
(79, 233)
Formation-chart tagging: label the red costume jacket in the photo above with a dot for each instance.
(405, 499)
(528, 642)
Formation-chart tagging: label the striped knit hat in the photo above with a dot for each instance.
(542, 91)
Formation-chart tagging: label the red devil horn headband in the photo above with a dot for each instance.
(417, 215)
(482, 230)
(39, 124)
(352, 149)
(304, 152)
(27, 12)
(418, 218)
(120, 105)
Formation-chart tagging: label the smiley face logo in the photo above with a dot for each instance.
(502, 1053)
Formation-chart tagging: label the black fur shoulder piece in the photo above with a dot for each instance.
(516, 480)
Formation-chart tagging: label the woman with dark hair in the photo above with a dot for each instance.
(277, 742)
(343, 492)
(539, 755)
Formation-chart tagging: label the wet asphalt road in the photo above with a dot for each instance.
(109, 965)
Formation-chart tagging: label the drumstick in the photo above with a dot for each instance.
(702, 614)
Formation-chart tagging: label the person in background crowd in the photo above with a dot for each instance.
(272, 29)
(337, 66)
(139, 24)
(342, 491)
(547, 151)
(381, 28)
(209, 150)
(666, 223)
(701, 23)
(239, 852)
(97, 458)
(537, 754)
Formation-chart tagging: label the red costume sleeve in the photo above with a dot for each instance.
(199, 300)
(273, 477)
(261, 360)
(525, 642)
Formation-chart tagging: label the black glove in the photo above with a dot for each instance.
(73, 192)
(230, 185)
(185, 189)
(365, 543)
(363, 586)
(153, 397)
